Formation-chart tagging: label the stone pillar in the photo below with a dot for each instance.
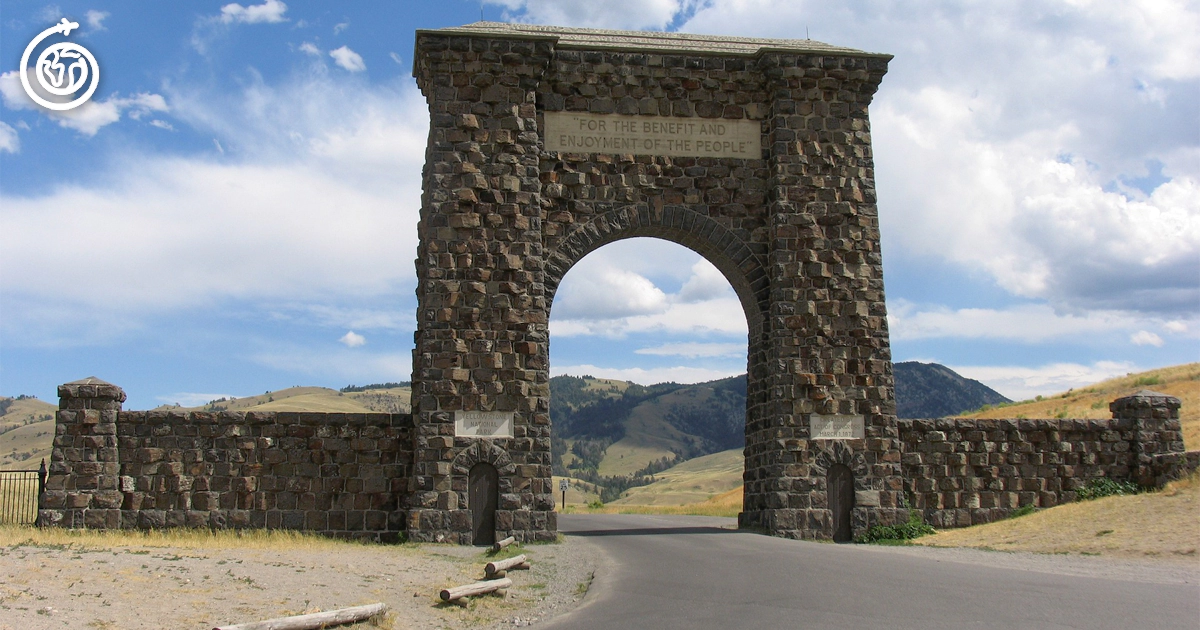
(1158, 439)
(482, 339)
(82, 489)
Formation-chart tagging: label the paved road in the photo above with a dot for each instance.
(667, 572)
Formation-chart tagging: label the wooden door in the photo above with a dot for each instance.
(839, 483)
(482, 494)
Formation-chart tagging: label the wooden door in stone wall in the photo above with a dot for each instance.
(839, 484)
(483, 492)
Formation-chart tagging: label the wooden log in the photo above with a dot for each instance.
(503, 572)
(315, 620)
(478, 588)
(503, 543)
(504, 565)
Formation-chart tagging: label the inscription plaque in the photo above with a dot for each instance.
(653, 135)
(836, 427)
(483, 424)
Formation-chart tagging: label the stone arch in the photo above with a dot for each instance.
(482, 451)
(839, 453)
(742, 268)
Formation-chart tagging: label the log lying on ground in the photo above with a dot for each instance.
(504, 565)
(503, 543)
(315, 620)
(478, 588)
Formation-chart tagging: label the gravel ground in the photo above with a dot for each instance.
(187, 588)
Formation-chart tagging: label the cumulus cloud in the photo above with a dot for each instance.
(1023, 383)
(10, 142)
(310, 48)
(89, 117)
(348, 59)
(1146, 338)
(312, 211)
(352, 339)
(95, 19)
(270, 11)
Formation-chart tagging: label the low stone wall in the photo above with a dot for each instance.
(965, 472)
(340, 474)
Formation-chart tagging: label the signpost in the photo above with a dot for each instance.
(562, 486)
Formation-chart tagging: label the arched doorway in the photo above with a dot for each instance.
(483, 491)
(839, 486)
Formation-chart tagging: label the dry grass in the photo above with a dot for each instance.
(280, 540)
(1161, 524)
(726, 504)
(1181, 381)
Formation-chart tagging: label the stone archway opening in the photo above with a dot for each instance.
(652, 312)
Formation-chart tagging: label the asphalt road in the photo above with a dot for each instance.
(691, 572)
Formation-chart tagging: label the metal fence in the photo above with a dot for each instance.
(19, 492)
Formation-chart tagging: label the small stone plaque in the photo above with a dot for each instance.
(579, 132)
(836, 427)
(483, 424)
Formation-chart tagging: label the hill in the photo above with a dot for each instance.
(930, 390)
(26, 432)
(1180, 381)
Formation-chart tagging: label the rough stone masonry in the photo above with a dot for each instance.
(545, 144)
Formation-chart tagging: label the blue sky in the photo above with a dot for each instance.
(235, 209)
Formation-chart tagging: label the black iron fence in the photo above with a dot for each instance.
(19, 492)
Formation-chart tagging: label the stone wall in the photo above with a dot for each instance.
(967, 472)
(340, 474)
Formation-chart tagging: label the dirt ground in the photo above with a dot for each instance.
(94, 585)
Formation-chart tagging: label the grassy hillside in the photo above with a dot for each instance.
(694, 481)
(648, 435)
(1181, 381)
(26, 432)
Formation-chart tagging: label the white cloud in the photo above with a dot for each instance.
(50, 13)
(627, 14)
(352, 339)
(651, 376)
(310, 48)
(270, 11)
(162, 124)
(309, 220)
(1023, 383)
(341, 26)
(609, 293)
(348, 365)
(1146, 338)
(1176, 326)
(95, 19)
(1029, 323)
(693, 350)
(348, 59)
(89, 117)
(396, 58)
(10, 142)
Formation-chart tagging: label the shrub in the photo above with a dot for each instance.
(1146, 380)
(1105, 487)
(1024, 510)
(914, 528)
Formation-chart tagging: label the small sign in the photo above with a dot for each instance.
(836, 427)
(562, 485)
(483, 424)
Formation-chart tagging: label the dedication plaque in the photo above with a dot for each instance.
(836, 427)
(483, 424)
(581, 132)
